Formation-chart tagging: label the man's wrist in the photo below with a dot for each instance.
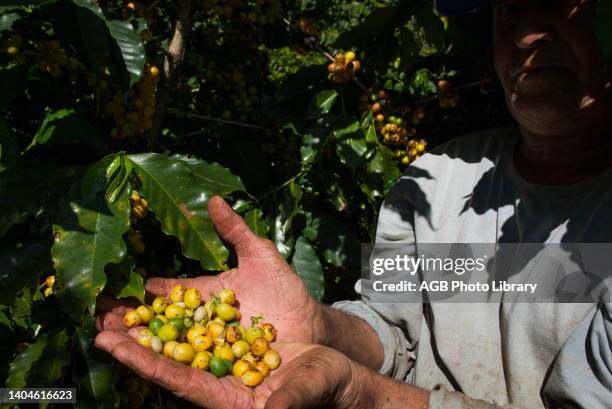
(320, 324)
(368, 389)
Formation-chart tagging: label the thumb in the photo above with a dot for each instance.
(287, 397)
(230, 226)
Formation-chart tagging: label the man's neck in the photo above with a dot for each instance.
(564, 159)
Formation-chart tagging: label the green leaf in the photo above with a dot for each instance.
(7, 20)
(48, 370)
(351, 147)
(93, 371)
(100, 41)
(21, 311)
(256, 222)
(20, 367)
(8, 147)
(312, 142)
(83, 24)
(333, 240)
(124, 282)
(88, 237)
(321, 104)
(21, 266)
(64, 126)
(132, 52)
(7, 346)
(13, 80)
(307, 265)
(286, 205)
(23, 191)
(178, 189)
(603, 27)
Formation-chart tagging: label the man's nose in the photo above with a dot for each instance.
(534, 28)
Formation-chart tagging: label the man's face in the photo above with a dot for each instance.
(550, 64)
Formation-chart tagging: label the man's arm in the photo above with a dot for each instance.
(350, 335)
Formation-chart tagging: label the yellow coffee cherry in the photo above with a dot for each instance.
(47, 292)
(252, 378)
(169, 348)
(192, 298)
(240, 348)
(50, 281)
(168, 333)
(146, 313)
(260, 347)
(175, 311)
(269, 332)
(350, 56)
(178, 293)
(232, 334)
(215, 330)
(194, 331)
(201, 343)
(252, 334)
(272, 359)
(225, 352)
(250, 358)
(218, 320)
(131, 319)
(263, 368)
(144, 338)
(159, 305)
(183, 353)
(240, 367)
(226, 312)
(227, 296)
(163, 318)
(201, 360)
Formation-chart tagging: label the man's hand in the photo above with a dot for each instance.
(310, 376)
(263, 281)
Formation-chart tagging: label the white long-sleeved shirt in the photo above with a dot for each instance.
(490, 355)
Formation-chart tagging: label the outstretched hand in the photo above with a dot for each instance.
(309, 376)
(263, 281)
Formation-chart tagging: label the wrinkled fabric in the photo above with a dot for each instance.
(494, 355)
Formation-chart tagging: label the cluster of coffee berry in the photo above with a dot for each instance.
(344, 67)
(447, 97)
(225, 88)
(140, 206)
(206, 335)
(412, 151)
(396, 131)
(134, 115)
(49, 283)
(52, 58)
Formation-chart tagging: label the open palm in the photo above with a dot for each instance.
(263, 281)
(309, 376)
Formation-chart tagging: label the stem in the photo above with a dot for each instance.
(172, 62)
(211, 118)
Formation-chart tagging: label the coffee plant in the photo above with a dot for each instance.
(120, 120)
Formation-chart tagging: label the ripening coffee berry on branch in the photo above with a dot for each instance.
(205, 334)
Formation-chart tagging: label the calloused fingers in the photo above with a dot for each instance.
(195, 385)
(110, 321)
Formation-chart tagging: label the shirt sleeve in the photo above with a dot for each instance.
(581, 375)
(442, 398)
(396, 324)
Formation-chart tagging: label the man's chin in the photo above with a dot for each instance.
(545, 114)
